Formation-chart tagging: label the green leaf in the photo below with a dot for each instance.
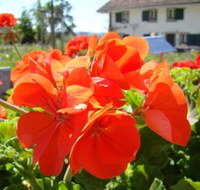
(65, 186)
(193, 169)
(7, 130)
(16, 187)
(153, 149)
(45, 182)
(90, 182)
(188, 79)
(186, 184)
(143, 176)
(129, 171)
(157, 185)
(133, 98)
(62, 186)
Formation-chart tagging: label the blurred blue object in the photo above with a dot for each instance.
(159, 45)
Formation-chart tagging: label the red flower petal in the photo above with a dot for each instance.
(166, 113)
(174, 129)
(79, 76)
(81, 61)
(103, 92)
(105, 67)
(106, 146)
(30, 130)
(92, 45)
(108, 36)
(51, 136)
(40, 93)
(139, 43)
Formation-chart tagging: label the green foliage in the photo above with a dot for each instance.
(172, 57)
(9, 57)
(85, 179)
(154, 149)
(189, 81)
(25, 28)
(133, 99)
(157, 185)
(186, 183)
(187, 78)
(53, 15)
(16, 187)
(7, 130)
(61, 11)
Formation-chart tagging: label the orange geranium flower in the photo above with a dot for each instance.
(105, 91)
(116, 57)
(76, 45)
(80, 100)
(165, 112)
(149, 75)
(161, 74)
(3, 112)
(7, 20)
(38, 61)
(53, 132)
(188, 63)
(108, 142)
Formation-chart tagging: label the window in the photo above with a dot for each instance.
(171, 14)
(153, 15)
(123, 35)
(149, 15)
(145, 15)
(179, 14)
(183, 38)
(174, 14)
(194, 39)
(122, 17)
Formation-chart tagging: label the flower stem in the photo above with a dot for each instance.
(17, 50)
(196, 89)
(33, 182)
(68, 174)
(12, 107)
(28, 175)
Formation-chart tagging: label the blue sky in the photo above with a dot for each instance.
(84, 12)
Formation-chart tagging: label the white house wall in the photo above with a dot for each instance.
(190, 23)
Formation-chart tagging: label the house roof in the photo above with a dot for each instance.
(113, 5)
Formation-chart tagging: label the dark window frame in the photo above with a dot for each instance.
(174, 14)
(183, 38)
(122, 17)
(150, 15)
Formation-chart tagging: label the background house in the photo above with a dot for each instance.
(178, 21)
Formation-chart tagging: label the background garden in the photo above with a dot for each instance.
(159, 165)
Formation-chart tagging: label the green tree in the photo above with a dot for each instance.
(25, 28)
(54, 16)
(41, 26)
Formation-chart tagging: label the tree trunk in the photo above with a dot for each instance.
(62, 28)
(53, 37)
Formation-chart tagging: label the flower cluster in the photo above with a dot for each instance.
(3, 113)
(81, 102)
(7, 21)
(188, 63)
(76, 45)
